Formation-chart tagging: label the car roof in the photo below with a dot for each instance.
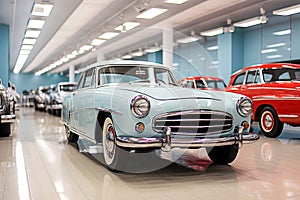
(269, 66)
(122, 63)
(202, 77)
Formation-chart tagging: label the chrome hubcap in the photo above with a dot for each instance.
(110, 141)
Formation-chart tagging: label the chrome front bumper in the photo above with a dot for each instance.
(7, 118)
(168, 142)
(56, 107)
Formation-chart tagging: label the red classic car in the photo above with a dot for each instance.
(203, 82)
(275, 91)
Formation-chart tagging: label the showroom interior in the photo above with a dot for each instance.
(191, 38)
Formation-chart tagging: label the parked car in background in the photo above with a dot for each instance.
(203, 83)
(137, 106)
(48, 96)
(28, 98)
(56, 98)
(7, 115)
(16, 97)
(275, 91)
(40, 98)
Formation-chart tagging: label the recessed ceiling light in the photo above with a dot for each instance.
(137, 53)
(32, 34)
(28, 41)
(26, 47)
(213, 48)
(280, 44)
(24, 52)
(268, 51)
(152, 49)
(176, 1)
(127, 26)
(36, 23)
(108, 35)
(41, 9)
(287, 11)
(274, 56)
(20, 62)
(213, 32)
(97, 42)
(151, 13)
(128, 56)
(86, 47)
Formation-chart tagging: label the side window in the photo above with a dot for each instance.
(257, 77)
(250, 77)
(284, 76)
(183, 84)
(200, 84)
(81, 80)
(190, 84)
(93, 79)
(239, 80)
(88, 78)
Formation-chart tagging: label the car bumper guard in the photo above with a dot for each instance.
(168, 142)
(7, 118)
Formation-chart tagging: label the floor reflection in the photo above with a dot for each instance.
(53, 169)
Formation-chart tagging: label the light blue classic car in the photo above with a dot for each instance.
(132, 106)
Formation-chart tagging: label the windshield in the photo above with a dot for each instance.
(136, 74)
(217, 84)
(67, 88)
(285, 74)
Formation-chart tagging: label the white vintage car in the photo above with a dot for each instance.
(133, 105)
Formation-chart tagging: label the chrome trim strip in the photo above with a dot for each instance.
(200, 134)
(288, 116)
(7, 118)
(101, 109)
(81, 134)
(186, 120)
(212, 126)
(271, 98)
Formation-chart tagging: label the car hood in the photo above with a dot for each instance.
(159, 92)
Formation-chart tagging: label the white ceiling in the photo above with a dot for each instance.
(75, 22)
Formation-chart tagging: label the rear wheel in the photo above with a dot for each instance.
(5, 129)
(269, 123)
(71, 137)
(223, 154)
(114, 156)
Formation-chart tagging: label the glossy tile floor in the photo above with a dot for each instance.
(36, 163)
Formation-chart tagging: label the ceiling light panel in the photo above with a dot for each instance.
(29, 41)
(36, 23)
(86, 47)
(176, 1)
(97, 42)
(32, 34)
(186, 40)
(283, 32)
(213, 32)
(42, 10)
(108, 35)
(251, 22)
(20, 62)
(127, 26)
(26, 47)
(288, 11)
(152, 13)
(24, 52)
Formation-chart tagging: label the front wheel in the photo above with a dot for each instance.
(114, 156)
(71, 137)
(269, 123)
(223, 154)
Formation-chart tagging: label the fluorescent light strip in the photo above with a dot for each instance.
(152, 13)
(97, 42)
(128, 56)
(187, 40)
(251, 22)
(86, 47)
(32, 34)
(213, 48)
(268, 51)
(26, 47)
(20, 62)
(284, 32)
(176, 1)
(213, 32)
(24, 52)
(287, 11)
(34, 23)
(152, 49)
(29, 41)
(127, 26)
(276, 45)
(108, 35)
(42, 10)
(274, 56)
(137, 53)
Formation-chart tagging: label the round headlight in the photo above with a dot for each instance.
(140, 106)
(244, 106)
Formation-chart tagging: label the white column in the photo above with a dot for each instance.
(72, 73)
(167, 47)
(100, 57)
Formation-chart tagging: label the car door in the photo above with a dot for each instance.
(83, 100)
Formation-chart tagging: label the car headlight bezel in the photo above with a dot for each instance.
(244, 106)
(140, 106)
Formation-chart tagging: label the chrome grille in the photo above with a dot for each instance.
(194, 123)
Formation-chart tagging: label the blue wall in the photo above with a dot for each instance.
(30, 81)
(4, 54)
